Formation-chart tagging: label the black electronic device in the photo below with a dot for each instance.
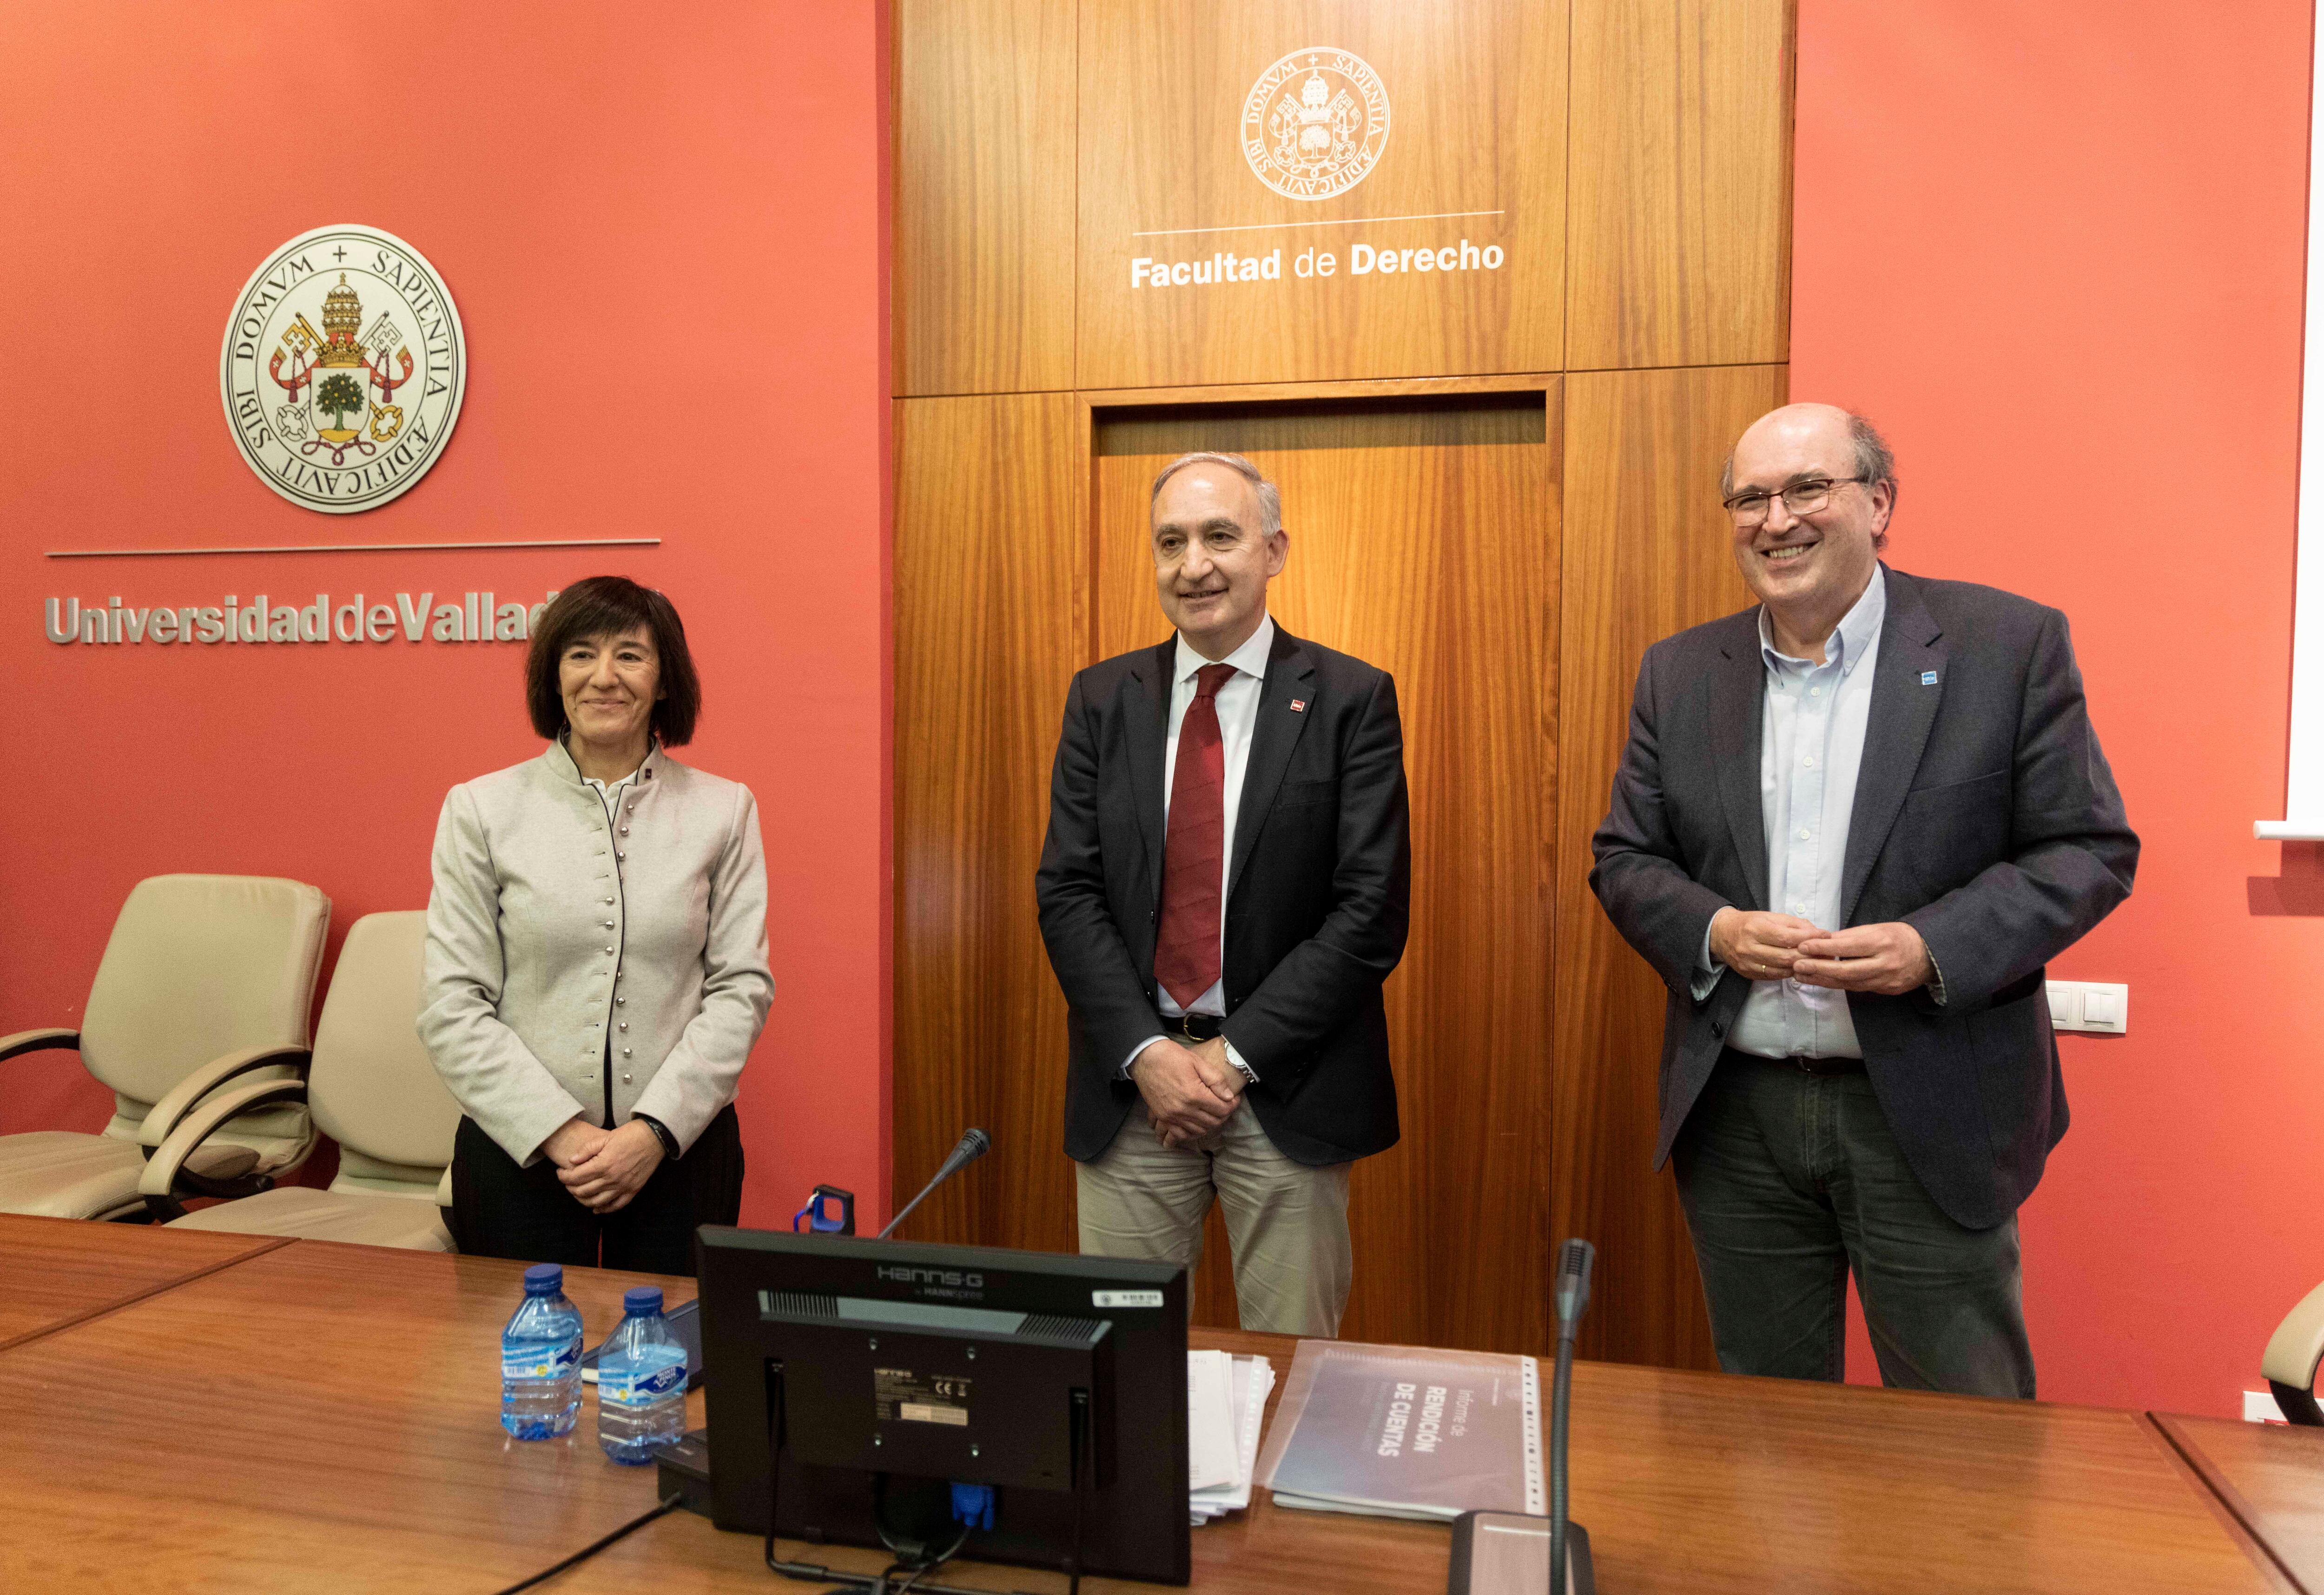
(1514, 1553)
(853, 1383)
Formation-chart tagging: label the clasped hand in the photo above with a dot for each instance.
(1189, 1091)
(1888, 959)
(604, 1169)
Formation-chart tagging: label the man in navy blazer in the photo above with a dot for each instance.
(1851, 826)
(1224, 886)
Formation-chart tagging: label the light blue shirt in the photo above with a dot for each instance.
(1812, 730)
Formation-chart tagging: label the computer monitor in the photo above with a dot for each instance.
(888, 1371)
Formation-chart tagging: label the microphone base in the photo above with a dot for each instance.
(1508, 1553)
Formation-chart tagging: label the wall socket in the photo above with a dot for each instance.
(2260, 1407)
(2095, 1007)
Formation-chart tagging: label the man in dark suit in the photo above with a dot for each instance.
(1225, 884)
(1851, 826)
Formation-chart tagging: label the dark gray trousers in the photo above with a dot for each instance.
(1789, 1180)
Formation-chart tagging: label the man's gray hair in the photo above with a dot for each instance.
(1874, 462)
(1270, 501)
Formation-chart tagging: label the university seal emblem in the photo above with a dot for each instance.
(1314, 123)
(342, 368)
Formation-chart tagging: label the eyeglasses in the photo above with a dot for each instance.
(1800, 498)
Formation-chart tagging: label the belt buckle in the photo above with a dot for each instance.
(1186, 1023)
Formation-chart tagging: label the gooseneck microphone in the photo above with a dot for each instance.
(1573, 1263)
(972, 1145)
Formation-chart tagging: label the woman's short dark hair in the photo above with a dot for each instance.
(608, 606)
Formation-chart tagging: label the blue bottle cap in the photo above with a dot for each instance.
(544, 1279)
(645, 1298)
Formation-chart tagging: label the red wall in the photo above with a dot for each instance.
(665, 231)
(2056, 251)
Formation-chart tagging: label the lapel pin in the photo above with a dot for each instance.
(1299, 705)
(1928, 678)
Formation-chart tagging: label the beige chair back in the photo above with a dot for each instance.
(199, 966)
(372, 1087)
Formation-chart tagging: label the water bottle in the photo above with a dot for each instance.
(641, 1382)
(541, 1359)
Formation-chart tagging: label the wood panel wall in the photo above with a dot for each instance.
(983, 246)
(1646, 555)
(1463, 76)
(991, 591)
(1502, 490)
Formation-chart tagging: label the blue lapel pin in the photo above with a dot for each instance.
(1928, 678)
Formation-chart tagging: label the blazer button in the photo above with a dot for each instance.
(625, 1024)
(1718, 1028)
(625, 830)
(625, 1080)
(619, 1001)
(609, 952)
(625, 1051)
(609, 924)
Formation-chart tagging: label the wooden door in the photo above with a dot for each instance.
(1425, 542)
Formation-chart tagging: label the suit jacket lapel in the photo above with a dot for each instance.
(1902, 710)
(1739, 695)
(1272, 739)
(1148, 708)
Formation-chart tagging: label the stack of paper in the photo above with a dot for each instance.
(1226, 1398)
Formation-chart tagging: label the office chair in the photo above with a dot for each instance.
(206, 979)
(2291, 1358)
(371, 1087)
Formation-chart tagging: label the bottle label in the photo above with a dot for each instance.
(639, 1387)
(541, 1362)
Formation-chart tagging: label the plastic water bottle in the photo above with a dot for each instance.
(641, 1382)
(541, 1359)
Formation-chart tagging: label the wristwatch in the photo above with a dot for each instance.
(661, 1133)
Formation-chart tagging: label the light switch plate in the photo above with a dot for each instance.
(2260, 1407)
(2095, 1008)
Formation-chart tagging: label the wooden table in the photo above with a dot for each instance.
(2270, 1477)
(57, 1272)
(323, 1417)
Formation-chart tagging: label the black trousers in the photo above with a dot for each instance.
(502, 1209)
(1789, 1181)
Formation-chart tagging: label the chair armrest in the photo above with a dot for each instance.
(163, 1119)
(160, 1172)
(444, 1188)
(2289, 1362)
(37, 1041)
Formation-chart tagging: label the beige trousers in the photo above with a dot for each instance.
(1287, 1222)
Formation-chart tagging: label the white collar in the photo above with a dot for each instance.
(1851, 639)
(1251, 659)
(560, 757)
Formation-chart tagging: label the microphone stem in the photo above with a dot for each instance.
(1560, 1391)
(913, 1202)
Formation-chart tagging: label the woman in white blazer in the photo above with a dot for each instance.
(596, 965)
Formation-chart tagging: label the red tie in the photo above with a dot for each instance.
(1186, 952)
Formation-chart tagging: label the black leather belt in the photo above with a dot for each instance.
(1804, 1065)
(1194, 1026)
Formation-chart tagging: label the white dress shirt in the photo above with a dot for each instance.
(1238, 707)
(1811, 731)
